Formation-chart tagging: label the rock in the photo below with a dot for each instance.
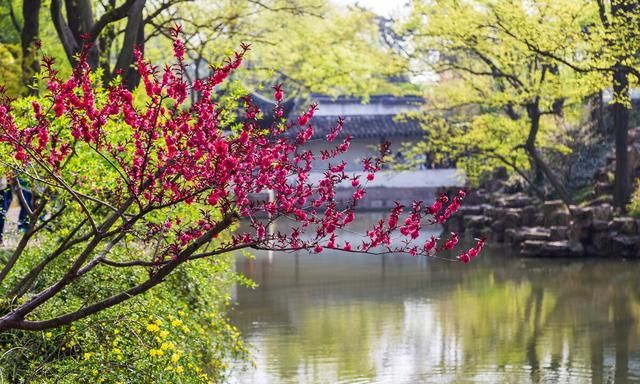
(634, 156)
(475, 221)
(599, 225)
(603, 189)
(536, 233)
(498, 226)
(484, 233)
(562, 248)
(538, 219)
(556, 213)
(602, 212)
(577, 248)
(471, 210)
(496, 186)
(512, 236)
(634, 134)
(558, 218)
(512, 217)
(454, 224)
(600, 200)
(582, 217)
(590, 251)
(515, 236)
(579, 234)
(494, 212)
(600, 240)
(624, 246)
(532, 247)
(552, 206)
(624, 225)
(476, 197)
(528, 216)
(518, 200)
(559, 233)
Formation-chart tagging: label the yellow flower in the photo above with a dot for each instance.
(87, 356)
(166, 345)
(164, 334)
(48, 335)
(179, 369)
(175, 357)
(117, 351)
(151, 327)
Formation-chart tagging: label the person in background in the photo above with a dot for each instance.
(7, 186)
(5, 195)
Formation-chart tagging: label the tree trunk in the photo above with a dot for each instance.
(533, 111)
(29, 36)
(80, 21)
(133, 38)
(621, 11)
(620, 110)
(65, 35)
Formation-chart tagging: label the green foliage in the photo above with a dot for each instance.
(634, 205)
(489, 76)
(308, 45)
(178, 333)
(10, 68)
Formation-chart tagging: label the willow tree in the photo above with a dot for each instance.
(307, 45)
(508, 101)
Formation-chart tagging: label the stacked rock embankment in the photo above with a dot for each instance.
(548, 229)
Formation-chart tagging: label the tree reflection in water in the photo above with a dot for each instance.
(336, 317)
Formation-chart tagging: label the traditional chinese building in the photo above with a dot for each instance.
(369, 124)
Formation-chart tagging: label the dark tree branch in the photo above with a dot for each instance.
(109, 17)
(12, 15)
(65, 35)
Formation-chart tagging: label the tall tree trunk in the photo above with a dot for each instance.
(133, 38)
(621, 11)
(620, 110)
(80, 21)
(533, 112)
(29, 36)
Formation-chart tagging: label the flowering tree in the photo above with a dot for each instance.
(167, 184)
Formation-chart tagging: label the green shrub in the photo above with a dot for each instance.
(634, 204)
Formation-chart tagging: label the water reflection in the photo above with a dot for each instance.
(337, 317)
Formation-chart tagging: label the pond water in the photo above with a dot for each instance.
(342, 318)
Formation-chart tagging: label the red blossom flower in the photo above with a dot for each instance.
(168, 152)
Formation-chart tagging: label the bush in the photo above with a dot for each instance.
(178, 333)
(634, 204)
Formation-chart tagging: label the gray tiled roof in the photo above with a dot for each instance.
(366, 126)
(357, 125)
